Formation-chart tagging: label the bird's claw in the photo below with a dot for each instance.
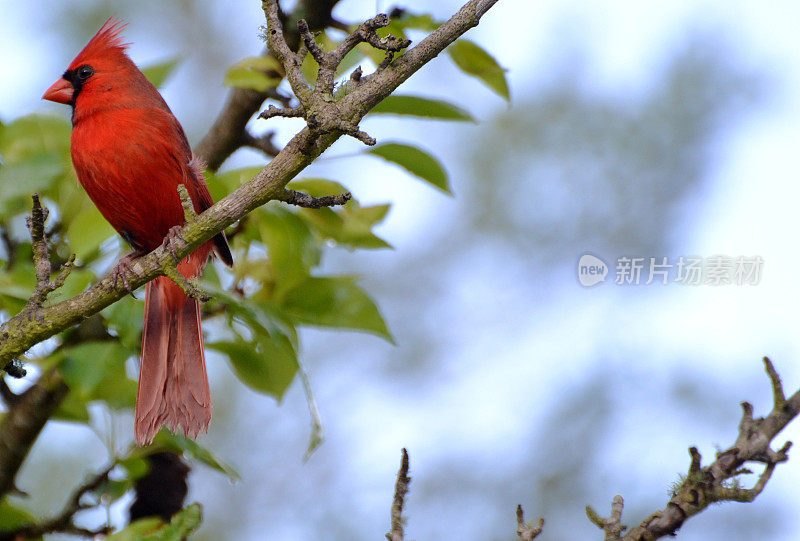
(169, 242)
(123, 267)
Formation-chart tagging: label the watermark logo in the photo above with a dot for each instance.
(717, 270)
(591, 270)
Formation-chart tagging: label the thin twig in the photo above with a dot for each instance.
(718, 482)
(400, 491)
(524, 531)
(777, 387)
(301, 199)
(264, 143)
(41, 258)
(23, 421)
(317, 105)
(287, 112)
(64, 521)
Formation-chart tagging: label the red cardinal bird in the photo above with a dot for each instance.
(130, 154)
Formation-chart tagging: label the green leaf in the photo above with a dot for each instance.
(153, 529)
(261, 317)
(350, 225)
(86, 365)
(267, 365)
(72, 408)
(221, 184)
(22, 180)
(116, 389)
(418, 21)
(335, 302)
(17, 283)
(414, 160)
(290, 246)
(33, 135)
(160, 72)
(77, 281)
(87, 231)
(178, 443)
(256, 73)
(136, 467)
(181, 525)
(126, 318)
(475, 61)
(114, 490)
(137, 530)
(318, 187)
(13, 517)
(421, 107)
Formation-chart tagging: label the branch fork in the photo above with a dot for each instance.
(719, 481)
(174, 242)
(64, 521)
(41, 258)
(526, 532)
(317, 105)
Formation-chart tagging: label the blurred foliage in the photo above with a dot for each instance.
(635, 159)
(275, 287)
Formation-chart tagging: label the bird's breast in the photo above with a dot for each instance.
(130, 167)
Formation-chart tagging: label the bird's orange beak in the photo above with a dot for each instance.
(60, 92)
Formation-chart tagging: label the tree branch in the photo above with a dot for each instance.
(301, 199)
(41, 258)
(717, 482)
(24, 420)
(524, 531)
(21, 332)
(228, 133)
(64, 521)
(400, 491)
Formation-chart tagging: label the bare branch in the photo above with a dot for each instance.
(64, 521)
(277, 44)
(525, 532)
(41, 258)
(777, 386)
(23, 422)
(287, 112)
(264, 143)
(301, 199)
(613, 524)
(227, 133)
(718, 482)
(189, 214)
(400, 491)
(317, 106)
(311, 42)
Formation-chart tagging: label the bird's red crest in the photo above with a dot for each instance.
(107, 40)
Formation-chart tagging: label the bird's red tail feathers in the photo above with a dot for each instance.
(173, 384)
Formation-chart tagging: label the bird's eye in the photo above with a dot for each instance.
(84, 72)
